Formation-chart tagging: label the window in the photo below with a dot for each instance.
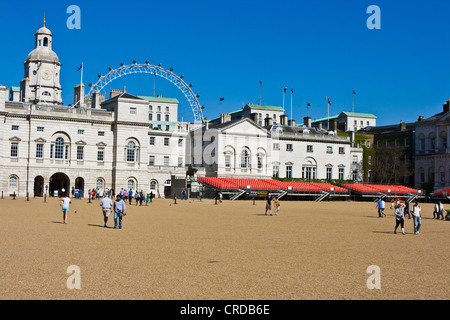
(309, 173)
(130, 184)
(14, 149)
(39, 150)
(158, 117)
(245, 159)
(260, 162)
(167, 109)
(80, 131)
(355, 159)
(101, 133)
(406, 143)
(40, 129)
(276, 171)
(153, 185)
(329, 149)
(368, 144)
(289, 147)
(369, 160)
(132, 111)
(329, 173)
(151, 160)
(227, 161)
(309, 148)
(180, 161)
(276, 146)
(166, 161)
(166, 142)
(368, 123)
(341, 150)
(12, 182)
(288, 171)
(180, 142)
(131, 151)
(101, 154)
(355, 175)
(152, 141)
(51, 151)
(66, 154)
(167, 118)
(59, 148)
(341, 173)
(150, 108)
(99, 184)
(80, 153)
(167, 127)
(150, 117)
(15, 128)
(159, 108)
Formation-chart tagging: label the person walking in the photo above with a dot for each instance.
(269, 204)
(130, 196)
(119, 211)
(65, 207)
(276, 205)
(440, 210)
(416, 212)
(137, 196)
(400, 217)
(436, 211)
(106, 204)
(141, 198)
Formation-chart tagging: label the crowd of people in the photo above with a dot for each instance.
(402, 209)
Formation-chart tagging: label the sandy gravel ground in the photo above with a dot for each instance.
(198, 250)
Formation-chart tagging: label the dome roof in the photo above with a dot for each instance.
(43, 54)
(44, 30)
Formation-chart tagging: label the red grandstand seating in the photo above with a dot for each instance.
(374, 188)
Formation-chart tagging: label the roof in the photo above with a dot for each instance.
(159, 99)
(324, 119)
(15, 88)
(360, 115)
(262, 107)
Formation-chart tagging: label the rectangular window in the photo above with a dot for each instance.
(341, 173)
(180, 161)
(151, 160)
(355, 175)
(39, 150)
(276, 171)
(101, 133)
(40, 129)
(159, 108)
(309, 148)
(180, 142)
(276, 146)
(51, 151)
(167, 109)
(166, 142)
(341, 150)
(80, 153)
(14, 149)
(101, 154)
(158, 117)
(166, 161)
(66, 156)
(355, 159)
(167, 118)
(15, 128)
(329, 173)
(80, 131)
(132, 111)
(329, 149)
(288, 171)
(150, 108)
(228, 161)
(152, 141)
(150, 117)
(289, 147)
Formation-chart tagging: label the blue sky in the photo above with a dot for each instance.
(224, 48)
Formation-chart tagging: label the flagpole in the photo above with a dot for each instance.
(353, 101)
(292, 93)
(284, 93)
(260, 92)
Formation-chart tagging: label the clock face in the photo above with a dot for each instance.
(47, 74)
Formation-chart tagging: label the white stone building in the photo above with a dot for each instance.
(432, 155)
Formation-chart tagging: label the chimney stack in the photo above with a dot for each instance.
(254, 117)
(225, 117)
(283, 119)
(421, 118)
(402, 125)
(307, 122)
(447, 106)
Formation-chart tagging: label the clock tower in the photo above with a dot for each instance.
(42, 70)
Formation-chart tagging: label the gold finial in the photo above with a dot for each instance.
(44, 19)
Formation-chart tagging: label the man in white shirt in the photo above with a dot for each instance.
(106, 204)
(416, 212)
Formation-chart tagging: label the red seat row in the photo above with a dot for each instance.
(375, 188)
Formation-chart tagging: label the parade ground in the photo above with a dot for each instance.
(199, 250)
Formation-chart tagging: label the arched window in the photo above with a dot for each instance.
(153, 185)
(245, 159)
(13, 182)
(59, 148)
(45, 42)
(130, 184)
(99, 184)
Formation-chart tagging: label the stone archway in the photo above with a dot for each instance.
(59, 185)
(38, 186)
